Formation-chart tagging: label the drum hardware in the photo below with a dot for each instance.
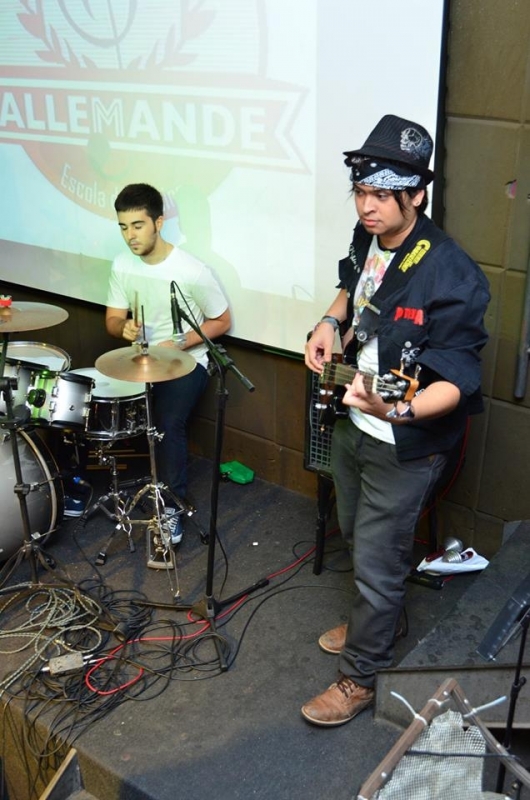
(147, 365)
(160, 554)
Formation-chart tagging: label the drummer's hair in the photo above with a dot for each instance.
(140, 196)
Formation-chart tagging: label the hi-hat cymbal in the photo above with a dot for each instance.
(30, 316)
(156, 364)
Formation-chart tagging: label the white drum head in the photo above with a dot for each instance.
(47, 355)
(108, 388)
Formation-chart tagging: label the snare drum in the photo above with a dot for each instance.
(117, 409)
(46, 355)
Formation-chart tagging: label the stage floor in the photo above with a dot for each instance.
(180, 711)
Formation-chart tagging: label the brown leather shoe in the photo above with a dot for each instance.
(338, 704)
(333, 641)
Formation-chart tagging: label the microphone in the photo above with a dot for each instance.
(178, 337)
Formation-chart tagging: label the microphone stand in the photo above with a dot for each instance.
(518, 683)
(209, 606)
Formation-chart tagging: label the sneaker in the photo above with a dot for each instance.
(73, 507)
(338, 704)
(175, 525)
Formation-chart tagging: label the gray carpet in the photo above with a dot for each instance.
(188, 728)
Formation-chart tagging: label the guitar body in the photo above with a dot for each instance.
(392, 387)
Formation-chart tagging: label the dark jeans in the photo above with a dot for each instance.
(379, 501)
(173, 402)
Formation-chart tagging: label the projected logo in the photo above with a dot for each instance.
(101, 93)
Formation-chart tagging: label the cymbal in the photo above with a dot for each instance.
(30, 316)
(156, 364)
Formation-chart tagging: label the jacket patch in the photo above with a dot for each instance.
(413, 314)
(416, 254)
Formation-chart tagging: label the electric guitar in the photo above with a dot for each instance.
(391, 387)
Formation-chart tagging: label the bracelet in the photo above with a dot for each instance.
(407, 413)
(332, 321)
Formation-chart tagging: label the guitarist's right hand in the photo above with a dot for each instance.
(319, 347)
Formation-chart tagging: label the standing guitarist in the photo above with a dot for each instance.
(410, 300)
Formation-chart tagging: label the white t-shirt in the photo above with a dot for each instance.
(376, 265)
(149, 285)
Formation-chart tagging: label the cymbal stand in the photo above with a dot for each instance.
(30, 546)
(160, 554)
(118, 499)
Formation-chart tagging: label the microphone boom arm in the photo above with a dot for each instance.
(218, 353)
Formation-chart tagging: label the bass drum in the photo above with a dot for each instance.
(45, 504)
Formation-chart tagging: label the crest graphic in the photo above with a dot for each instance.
(101, 93)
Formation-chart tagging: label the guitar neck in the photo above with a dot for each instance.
(338, 373)
(394, 386)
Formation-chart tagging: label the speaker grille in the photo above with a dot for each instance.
(317, 455)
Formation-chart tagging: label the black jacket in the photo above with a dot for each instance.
(431, 314)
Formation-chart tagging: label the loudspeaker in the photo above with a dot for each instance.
(317, 458)
(507, 622)
(317, 451)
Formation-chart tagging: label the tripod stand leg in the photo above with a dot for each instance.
(207, 610)
(102, 555)
(101, 558)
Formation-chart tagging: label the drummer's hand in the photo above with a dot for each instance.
(131, 330)
(172, 343)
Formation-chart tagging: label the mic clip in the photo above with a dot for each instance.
(179, 339)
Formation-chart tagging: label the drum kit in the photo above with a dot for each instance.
(38, 390)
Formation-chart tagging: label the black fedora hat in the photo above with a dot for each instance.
(400, 140)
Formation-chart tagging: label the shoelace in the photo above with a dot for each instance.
(348, 686)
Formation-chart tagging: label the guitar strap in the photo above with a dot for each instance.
(419, 244)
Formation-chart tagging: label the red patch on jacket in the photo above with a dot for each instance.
(414, 314)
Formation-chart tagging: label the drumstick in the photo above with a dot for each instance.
(136, 308)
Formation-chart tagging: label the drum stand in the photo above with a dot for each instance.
(160, 554)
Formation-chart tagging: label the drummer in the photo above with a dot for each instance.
(139, 291)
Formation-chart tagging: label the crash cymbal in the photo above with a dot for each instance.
(29, 316)
(146, 365)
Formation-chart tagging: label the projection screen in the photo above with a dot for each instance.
(237, 110)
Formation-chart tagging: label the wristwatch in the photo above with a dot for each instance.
(332, 321)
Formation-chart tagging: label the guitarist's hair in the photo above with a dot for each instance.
(411, 193)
